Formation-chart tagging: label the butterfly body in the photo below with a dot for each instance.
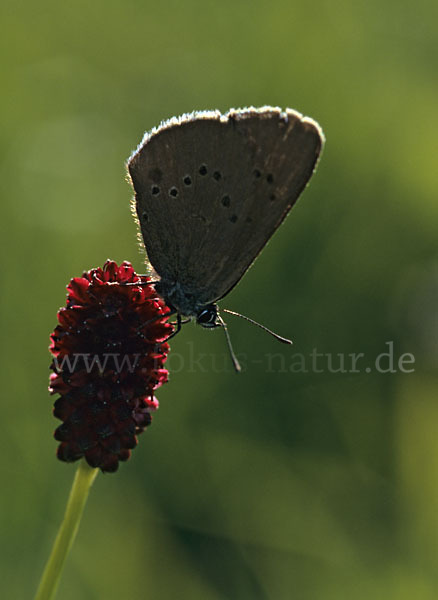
(181, 298)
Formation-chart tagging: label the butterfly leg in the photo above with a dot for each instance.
(179, 323)
(157, 318)
(183, 322)
(136, 283)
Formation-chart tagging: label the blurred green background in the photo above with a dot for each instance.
(271, 484)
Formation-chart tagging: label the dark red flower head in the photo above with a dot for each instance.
(108, 360)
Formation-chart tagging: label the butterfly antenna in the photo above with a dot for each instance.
(275, 335)
(236, 364)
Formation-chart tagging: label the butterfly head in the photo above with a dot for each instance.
(208, 316)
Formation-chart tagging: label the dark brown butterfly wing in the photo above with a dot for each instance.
(211, 190)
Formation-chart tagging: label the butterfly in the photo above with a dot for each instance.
(210, 191)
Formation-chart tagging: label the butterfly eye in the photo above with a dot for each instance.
(226, 201)
(270, 178)
(217, 175)
(203, 170)
(187, 180)
(173, 192)
(155, 190)
(207, 316)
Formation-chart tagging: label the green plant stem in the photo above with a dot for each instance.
(83, 480)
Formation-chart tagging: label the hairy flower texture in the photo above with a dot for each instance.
(108, 360)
